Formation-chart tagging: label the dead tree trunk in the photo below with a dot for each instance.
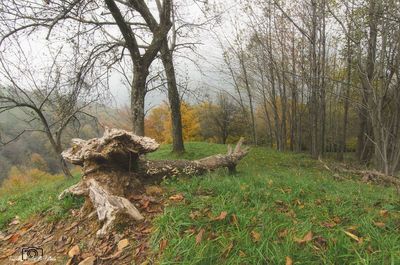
(114, 167)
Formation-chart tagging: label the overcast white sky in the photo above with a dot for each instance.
(208, 55)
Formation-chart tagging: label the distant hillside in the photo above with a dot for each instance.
(19, 153)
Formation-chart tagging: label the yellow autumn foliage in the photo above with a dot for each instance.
(158, 123)
(20, 179)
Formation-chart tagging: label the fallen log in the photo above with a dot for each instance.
(114, 167)
(367, 176)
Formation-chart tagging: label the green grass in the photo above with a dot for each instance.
(40, 198)
(271, 193)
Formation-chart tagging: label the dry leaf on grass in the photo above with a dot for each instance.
(163, 245)
(320, 242)
(221, 216)
(289, 261)
(353, 236)
(234, 219)
(255, 236)
(384, 213)
(177, 197)
(337, 220)
(283, 233)
(16, 221)
(228, 250)
(329, 224)
(194, 215)
(242, 254)
(379, 224)
(199, 236)
(308, 237)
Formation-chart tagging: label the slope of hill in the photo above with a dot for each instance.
(280, 208)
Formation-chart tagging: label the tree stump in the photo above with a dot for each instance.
(114, 167)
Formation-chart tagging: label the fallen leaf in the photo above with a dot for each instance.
(163, 245)
(337, 220)
(26, 227)
(353, 236)
(242, 254)
(221, 216)
(74, 251)
(140, 249)
(123, 244)
(88, 261)
(308, 237)
(177, 197)
(190, 231)
(194, 215)
(289, 261)
(352, 228)
(384, 213)
(147, 230)
(228, 250)
(155, 209)
(113, 256)
(212, 236)
(329, 224)
(380, 224)
(14, 238)
(153, 190)
(145, 203)
(256, 236)
(16, 221)
(235, 219)
(199, 236)
(283, 233)
(7, 253)
(321, 242)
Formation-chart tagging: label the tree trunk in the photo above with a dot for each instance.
(174, 99)
(114, 168)
(138, 93)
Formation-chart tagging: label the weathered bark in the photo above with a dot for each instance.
(114, 167)
(174, 99)
(141, 63)
(138, 94)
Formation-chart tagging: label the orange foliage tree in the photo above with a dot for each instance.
(158, 123)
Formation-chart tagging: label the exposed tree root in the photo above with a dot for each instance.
(114, 168)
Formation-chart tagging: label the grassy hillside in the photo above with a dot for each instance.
(278, 207)
(275, 200)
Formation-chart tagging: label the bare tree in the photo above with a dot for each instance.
(50, 101)
(95, 24)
